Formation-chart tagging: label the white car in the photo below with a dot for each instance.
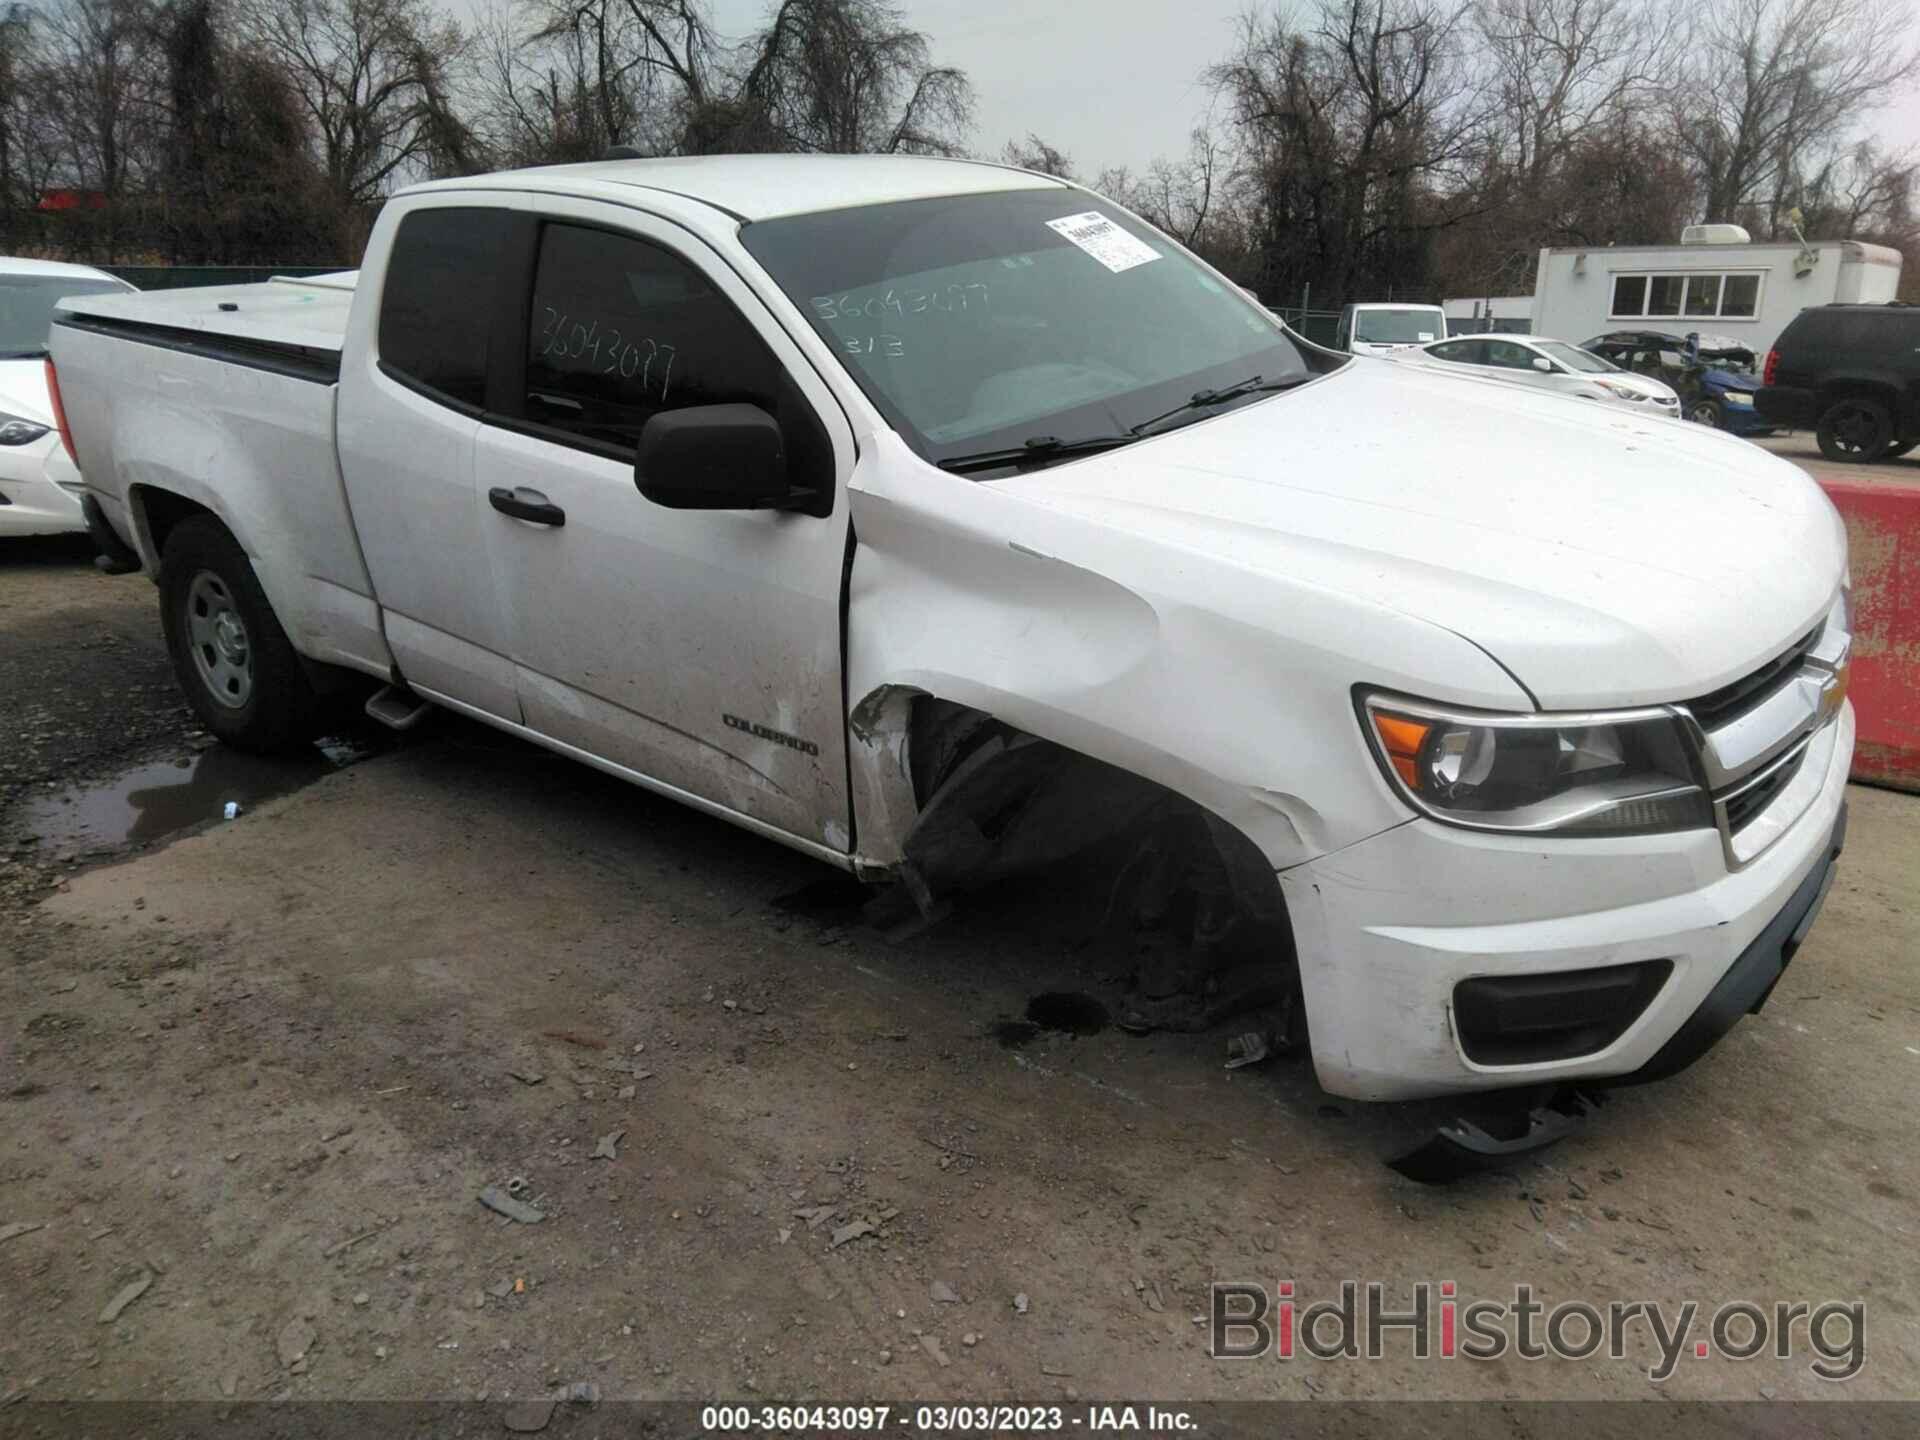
(937, 519)
(39, 484)
(1550, 365)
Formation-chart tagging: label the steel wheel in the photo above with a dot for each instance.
(217, 634)
(1704, 412)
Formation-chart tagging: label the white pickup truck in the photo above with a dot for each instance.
(938, 518)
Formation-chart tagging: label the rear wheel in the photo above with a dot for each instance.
(234, 662)
(1857, 429)
(1708, 413)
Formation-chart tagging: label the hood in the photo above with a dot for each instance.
(1731, 379)
(1606, 559)
(23, 390)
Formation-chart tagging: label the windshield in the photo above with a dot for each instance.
(1414, 325)
(988, 321)
(26, 309)
(1574, 358)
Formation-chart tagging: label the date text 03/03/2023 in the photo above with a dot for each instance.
(946, 1418)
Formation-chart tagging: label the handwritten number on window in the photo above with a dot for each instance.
(564, 338)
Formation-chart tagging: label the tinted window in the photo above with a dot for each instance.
(1849, 331)
(1509, 356)
(1703, 295)
(1741, 297)
(621, 330)
(437, 302)
(1464, 352)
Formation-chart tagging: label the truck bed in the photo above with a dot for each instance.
(306, 315)
(224, 397)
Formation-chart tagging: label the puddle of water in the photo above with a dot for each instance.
(152, 801)
(1065, 1012)
(1014, 1034)
(832, 897)
(1069, 1012)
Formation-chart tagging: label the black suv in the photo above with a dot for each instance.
(1852, 374)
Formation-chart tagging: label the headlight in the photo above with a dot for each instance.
(1625, 772)
(16, 431)
(1737, 397)
(1625, 392)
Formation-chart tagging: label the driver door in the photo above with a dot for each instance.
(698, 650)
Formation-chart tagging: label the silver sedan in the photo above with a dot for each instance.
(1551, 365)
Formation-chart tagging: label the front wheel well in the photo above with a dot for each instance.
(995, 802)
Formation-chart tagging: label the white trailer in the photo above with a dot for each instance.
(1715, 282)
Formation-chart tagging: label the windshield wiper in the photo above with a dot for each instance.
(1207, 399)
(1037, 449)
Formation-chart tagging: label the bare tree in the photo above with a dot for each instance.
(372, 77)
(844, 77)
(102, 95)
(1036, 154)
(565, 92)
(1564, 68)
(1358, 135)
(1772, 87)
(26, 141)
(622, 71)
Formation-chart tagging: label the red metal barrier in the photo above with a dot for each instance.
(1883, 535)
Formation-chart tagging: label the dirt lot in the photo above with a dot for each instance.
(268, 1065)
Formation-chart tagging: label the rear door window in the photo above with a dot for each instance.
(436, 301)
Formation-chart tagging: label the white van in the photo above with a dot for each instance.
(1381, 329)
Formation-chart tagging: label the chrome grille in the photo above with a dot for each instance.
(1752, 737)
(1730, 702)
(1745, 804)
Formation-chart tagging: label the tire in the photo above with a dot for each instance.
(1855, 430)
(1707, 412)
(236, 665)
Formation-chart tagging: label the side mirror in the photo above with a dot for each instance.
(713, 457)
(1542, 364)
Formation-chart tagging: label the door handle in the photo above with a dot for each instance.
(524, 504)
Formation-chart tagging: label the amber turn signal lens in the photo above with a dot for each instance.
(1402, 738)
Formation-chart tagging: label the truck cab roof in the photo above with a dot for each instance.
(764, 187)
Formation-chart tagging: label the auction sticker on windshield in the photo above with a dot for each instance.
(1104, 240)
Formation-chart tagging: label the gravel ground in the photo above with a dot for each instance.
(266, 1067)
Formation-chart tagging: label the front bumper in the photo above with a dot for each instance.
(1388, 928)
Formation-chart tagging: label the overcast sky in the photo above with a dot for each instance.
(1107, 81)
(1110, 82)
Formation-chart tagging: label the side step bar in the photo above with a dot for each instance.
(397, 707)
